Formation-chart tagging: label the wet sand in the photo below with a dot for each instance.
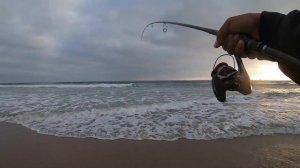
(21, 147)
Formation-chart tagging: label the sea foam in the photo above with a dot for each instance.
(159, 111)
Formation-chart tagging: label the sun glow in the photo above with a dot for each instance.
(268, 71)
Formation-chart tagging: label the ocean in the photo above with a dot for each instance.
(168, 110)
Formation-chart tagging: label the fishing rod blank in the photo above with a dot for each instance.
(251, 44)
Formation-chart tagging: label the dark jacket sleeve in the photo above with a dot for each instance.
(282, 32)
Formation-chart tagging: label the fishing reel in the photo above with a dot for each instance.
(225, 77)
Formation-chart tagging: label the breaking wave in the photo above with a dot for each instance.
(152, 111)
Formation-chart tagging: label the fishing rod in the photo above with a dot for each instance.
(251, 44)
(225, 77)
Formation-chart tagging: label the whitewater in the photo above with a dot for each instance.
(151, 110)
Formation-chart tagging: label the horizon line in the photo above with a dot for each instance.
(126, 81)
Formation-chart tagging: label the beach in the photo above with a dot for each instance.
(22, 147)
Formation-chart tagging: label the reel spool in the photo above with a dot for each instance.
(225, 77)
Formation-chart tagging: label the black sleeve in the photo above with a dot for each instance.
(282, 32)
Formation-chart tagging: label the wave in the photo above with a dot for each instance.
(152, 111)
(197, 119)
(102, 85)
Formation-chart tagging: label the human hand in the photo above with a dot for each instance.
(229, 35)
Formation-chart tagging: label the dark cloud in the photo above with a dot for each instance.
(77, 40)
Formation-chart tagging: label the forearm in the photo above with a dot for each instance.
(282, 32)
(291, 72)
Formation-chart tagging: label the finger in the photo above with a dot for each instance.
(252, 55)
(232, 43)
(263, 57)
(226, 42)
(249, 54)
(222, 33)
(240, 49)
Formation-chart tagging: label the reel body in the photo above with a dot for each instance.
(225, 77)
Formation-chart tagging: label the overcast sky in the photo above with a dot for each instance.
(99, 40)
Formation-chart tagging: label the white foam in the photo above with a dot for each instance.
(154, 113)
(169, 121)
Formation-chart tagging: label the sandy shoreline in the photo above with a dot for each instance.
(21, 147)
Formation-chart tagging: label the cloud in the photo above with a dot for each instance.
(77, 40)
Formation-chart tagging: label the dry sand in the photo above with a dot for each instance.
(24, 148)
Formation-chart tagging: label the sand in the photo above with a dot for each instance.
(24, 148)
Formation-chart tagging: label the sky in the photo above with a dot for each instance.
(99, 40)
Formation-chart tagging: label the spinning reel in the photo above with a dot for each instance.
(225, 77)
